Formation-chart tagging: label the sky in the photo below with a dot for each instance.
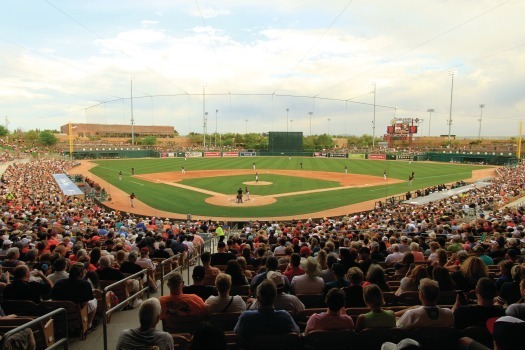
(339, 67)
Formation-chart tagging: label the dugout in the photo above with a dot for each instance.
(285, 141)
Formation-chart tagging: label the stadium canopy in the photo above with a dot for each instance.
(446, 194)
(67, 186)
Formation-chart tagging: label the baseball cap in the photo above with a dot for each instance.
(277, 278)
(405, 344)
(507, 331)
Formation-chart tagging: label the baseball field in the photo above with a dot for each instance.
(279, 187)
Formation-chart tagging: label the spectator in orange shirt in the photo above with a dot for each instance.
(178, 304)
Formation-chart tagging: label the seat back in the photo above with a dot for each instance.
(435, 338)
(225, 321)
(329, 340)
(77, 317)
(408, 299)
(390, 298)
(20, 307)
(186, 324)
(447, 297)
(121, 291)
(289, 341)
(240, 290)
(43, 332)
(311, 301)
(373, 338)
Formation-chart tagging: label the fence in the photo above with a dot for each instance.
(38, 320)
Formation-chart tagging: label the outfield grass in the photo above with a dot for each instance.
(178, 200)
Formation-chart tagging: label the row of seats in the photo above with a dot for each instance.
(431, 338)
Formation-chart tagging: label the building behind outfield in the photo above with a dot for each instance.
(116, 130)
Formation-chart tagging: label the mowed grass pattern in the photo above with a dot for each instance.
(279, 184)
(178, 200)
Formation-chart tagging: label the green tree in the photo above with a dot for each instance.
(30, 136)
(47, 138)
(3, 131)
(149, 141)
(324, 141)
(195, 138)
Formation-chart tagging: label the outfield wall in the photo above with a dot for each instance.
(494, 158)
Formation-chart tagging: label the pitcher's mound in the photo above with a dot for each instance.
(229, 201)
(260, 183)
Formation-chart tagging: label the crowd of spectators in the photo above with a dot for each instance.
(55, 241)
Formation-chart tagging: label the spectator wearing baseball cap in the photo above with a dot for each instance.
(283, 301)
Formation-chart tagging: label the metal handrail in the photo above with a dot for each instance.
(107, 313)
(163, 276)
(207, 244)
(38, 320)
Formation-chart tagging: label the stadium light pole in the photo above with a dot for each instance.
(452, 73)
(132, 121)
(287, 110)
(204, 115)
(328, 126)
(205, 126)
(374, 121)
(310, 122)
(429, 119)
(246, 130)
(481, 106)
(216, 112)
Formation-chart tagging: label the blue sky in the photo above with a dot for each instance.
(246, 62)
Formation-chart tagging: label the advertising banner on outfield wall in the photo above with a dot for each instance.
(247, 154)
(356, 156)
(320, 154)
(404, 157)
(212, 154)
(193, 154)
(337, 155)
(230, 154)
(377, 156)
(171, 154)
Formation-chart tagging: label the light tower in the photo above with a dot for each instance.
(430, 111)
(481, 106)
